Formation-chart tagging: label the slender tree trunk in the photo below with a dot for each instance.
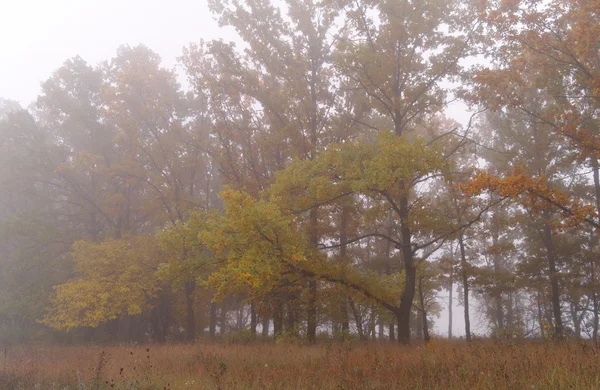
(426, 336)
(576, 320)
(595, 300)
(212, 327)
(419, 325)
(508, 324)
(541, 317)
(556, 310)
(265, 325)
(239, 326)
(392, 333)
(311, 329)
(595, 303)
(252, 318)
(408, 294)
(450, 303)
(465, 280)
(277, 322)
(222, 321)
(343, 255)
(357, 319)
(497, 270)
(189, 304)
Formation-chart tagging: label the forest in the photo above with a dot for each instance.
(305, 183)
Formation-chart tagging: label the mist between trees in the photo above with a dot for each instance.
(306, 183)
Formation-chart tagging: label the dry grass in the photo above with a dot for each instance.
(440, 365)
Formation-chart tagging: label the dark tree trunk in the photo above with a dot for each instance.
(419, 326)
(556, 310)
(265, 325)
(450, 303)
(252, 318)
(277, 319)
(465, 280)
(595, 303)
(426, 336)
(541, 317)
(392, 333)
(595, 300)
(408, 295)
(190, 315)
(343, 255)
(497, 270)
(357, 319)
(311, 312)
(212, 327)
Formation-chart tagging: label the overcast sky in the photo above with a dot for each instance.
(37, 36)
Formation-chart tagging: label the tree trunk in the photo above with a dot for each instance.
(497, 270)
(343, 254)
(392, 333)
(190, 315)
(252, 318)
(408, 294)
(541, 317)
(595, 303)
(450, 294)
(595, 300)
(465, 280)
(311, 329)
(426, 336)
(357, 319)
(419, 326)
(212, 327)
(576, 320)
(265, 325)
(556, 310)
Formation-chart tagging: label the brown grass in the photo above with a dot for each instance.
(440, 365)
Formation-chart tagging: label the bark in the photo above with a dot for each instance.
(343, 254)
(392, 332)
(357, 319)
(311, 330)
(541, 317)
(419, 326)
(408, 294)
(465, 280)
(265, 325)
(426, 336)
(576, 320)
(595, 303)
(212, 327)
(497, 270)
(190, 314)
(450, 296)
(157, 332)
(595, 300)
(252, 318)
(278, 319)
(556, 310)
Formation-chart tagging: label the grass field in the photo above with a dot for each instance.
(440, 365)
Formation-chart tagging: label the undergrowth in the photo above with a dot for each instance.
(330, 365)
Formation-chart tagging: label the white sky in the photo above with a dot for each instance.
(37, 36)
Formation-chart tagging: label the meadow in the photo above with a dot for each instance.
(351, 365)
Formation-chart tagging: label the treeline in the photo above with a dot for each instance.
(307, 180)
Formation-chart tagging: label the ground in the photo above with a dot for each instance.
(439, 365)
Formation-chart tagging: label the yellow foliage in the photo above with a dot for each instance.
(114, 277)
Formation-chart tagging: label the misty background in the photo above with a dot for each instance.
(36, 37)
